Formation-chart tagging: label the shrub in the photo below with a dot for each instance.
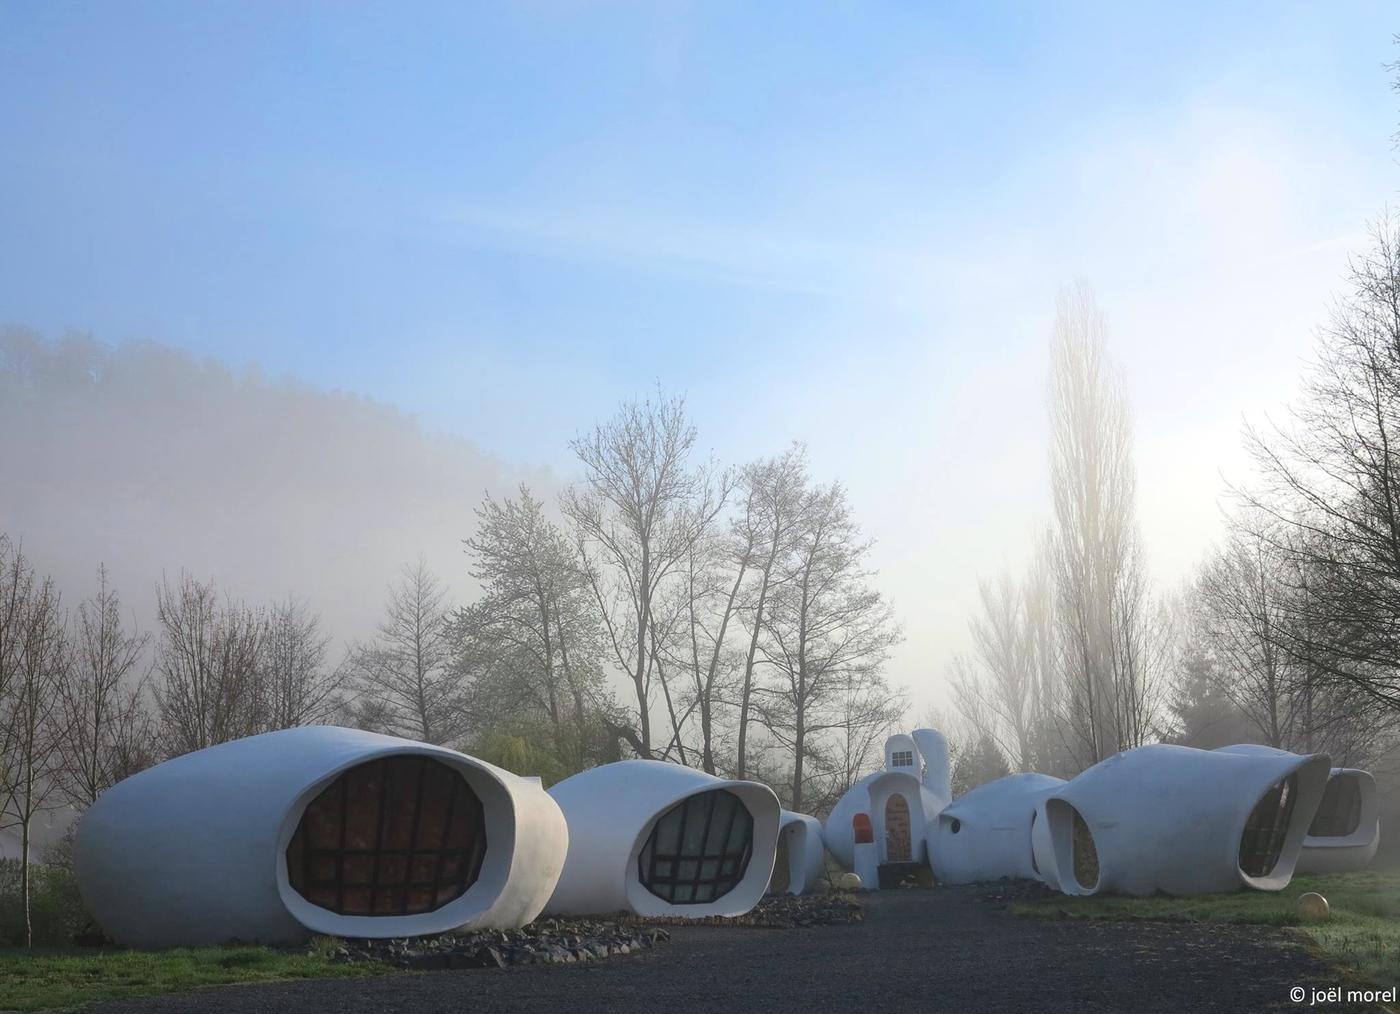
(57, 912)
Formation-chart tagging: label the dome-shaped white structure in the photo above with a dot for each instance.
(317, 830)
(662, 839)
(1346, 831)
(1183, 821)
(900, 801)
(798, 867)
(987, 833)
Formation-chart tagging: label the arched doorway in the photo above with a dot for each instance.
(899, 846)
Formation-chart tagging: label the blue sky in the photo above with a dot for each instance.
(838, 222)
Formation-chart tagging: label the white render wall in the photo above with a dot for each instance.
(805, 850)
(611, 811)
(987, 833)
(193, 851)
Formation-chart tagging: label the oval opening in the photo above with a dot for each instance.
(1339, 814)
(699, 849)
(400, 835)
(1084, 853)
(1261, 844)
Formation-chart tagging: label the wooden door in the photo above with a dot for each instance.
(899, 847)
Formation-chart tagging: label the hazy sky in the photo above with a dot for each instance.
(843, 223)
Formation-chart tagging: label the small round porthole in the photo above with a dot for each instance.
(955, 825)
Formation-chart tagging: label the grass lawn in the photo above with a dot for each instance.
(1363, 932)
(46, 980)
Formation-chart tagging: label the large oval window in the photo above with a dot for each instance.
(401, 835)
(699, 849)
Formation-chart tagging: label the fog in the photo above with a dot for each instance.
(146, 459)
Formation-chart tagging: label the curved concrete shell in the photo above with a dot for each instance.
(662, 839)
(799, 864)
(1183, 821)
(1042, 848)
(317, 830)
(987, 833)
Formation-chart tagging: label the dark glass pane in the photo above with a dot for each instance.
(398, 836)
(698, 850)
(1339, 814)
(1267, 826)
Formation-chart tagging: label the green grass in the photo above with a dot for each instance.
(48, 980)
(1363, 933)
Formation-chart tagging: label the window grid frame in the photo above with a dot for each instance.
(735, 859)
(469, 856)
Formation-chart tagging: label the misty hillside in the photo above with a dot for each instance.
(148, 459)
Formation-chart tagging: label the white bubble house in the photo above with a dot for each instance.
(1182, 821)
(317, 830)
(660, 839)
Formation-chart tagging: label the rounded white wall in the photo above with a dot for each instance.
(933, 748)
(193, 851)
(805, 850)
(987, 833)
(1171, 818)
(611, 811)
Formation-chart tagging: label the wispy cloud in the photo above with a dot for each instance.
(746, 256)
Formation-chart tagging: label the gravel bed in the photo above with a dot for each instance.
(543, 942)
(777, 911)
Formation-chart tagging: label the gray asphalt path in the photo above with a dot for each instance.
(922, 950)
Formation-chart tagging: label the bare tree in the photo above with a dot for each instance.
(1243, 610)
(295, 684)
(771, 494)
(109, 731)
(1329, 497)
(634, 521)
(1111, 676)
(1002, 638)
(31, 768)
(405, 673)
(703, 605)
(208, 660)
(16, 587)
(827, 635)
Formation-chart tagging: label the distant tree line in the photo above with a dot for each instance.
(664, 608)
